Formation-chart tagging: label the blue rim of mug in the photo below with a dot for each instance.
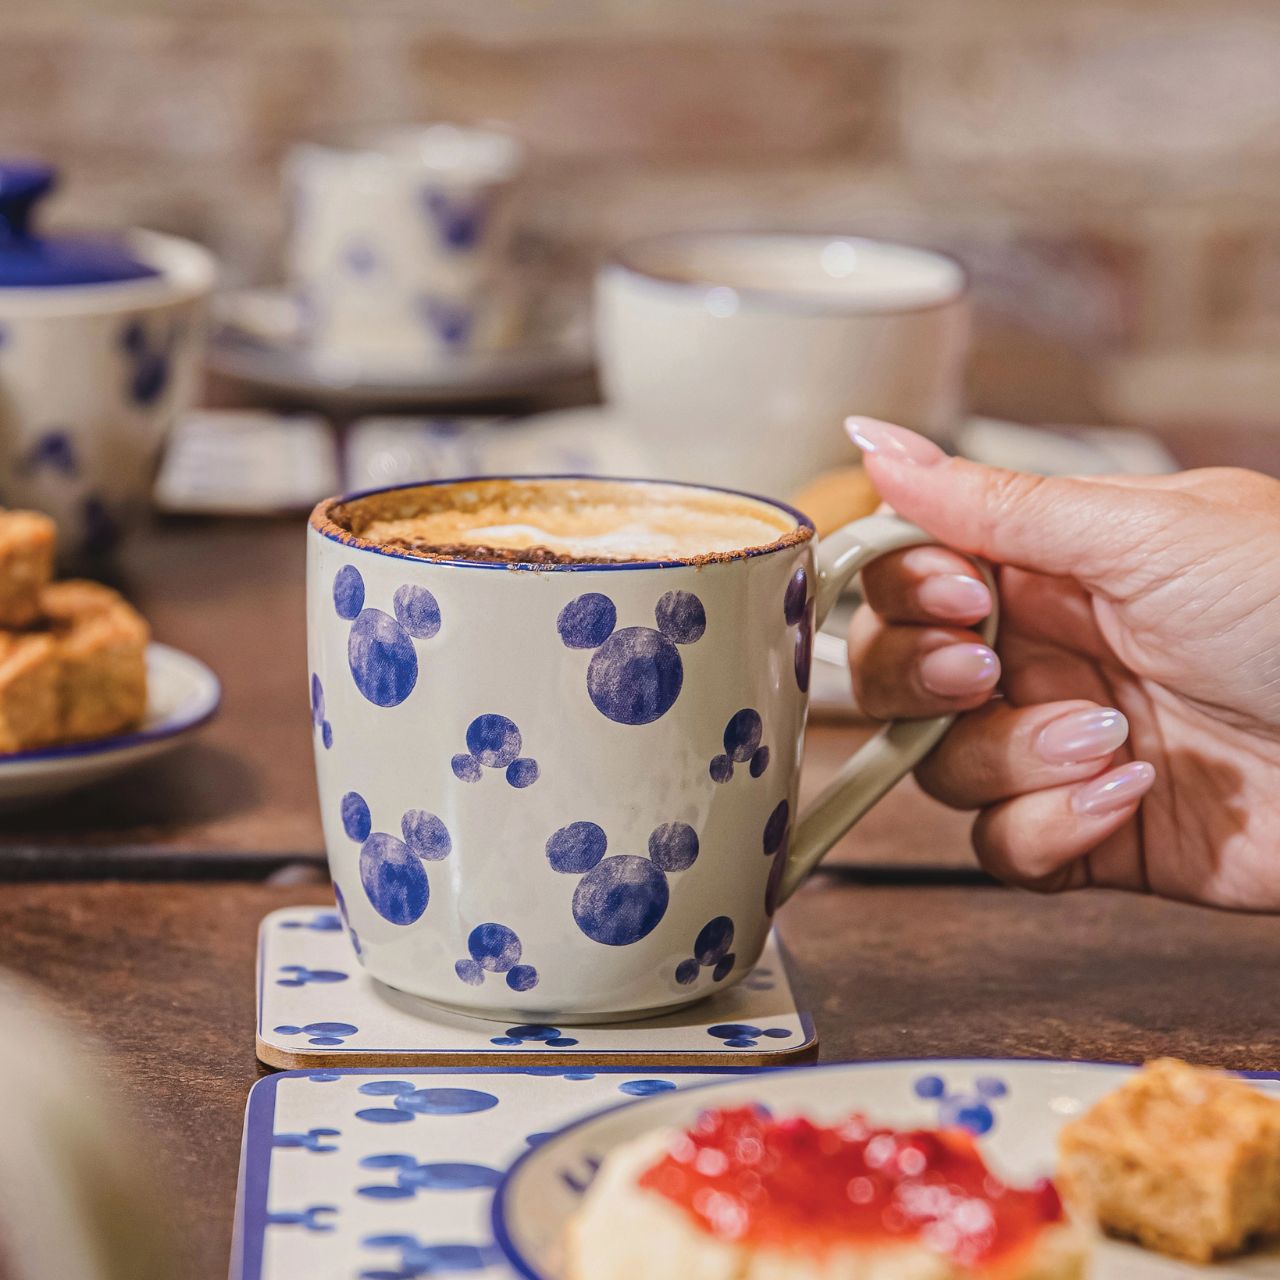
(500, 1214)
(622, 260)
(322, 522)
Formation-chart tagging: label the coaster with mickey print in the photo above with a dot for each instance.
(318, 1007)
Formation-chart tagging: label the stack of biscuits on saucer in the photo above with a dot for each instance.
(72, 653)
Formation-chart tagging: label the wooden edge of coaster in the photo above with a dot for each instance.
(284, 1060)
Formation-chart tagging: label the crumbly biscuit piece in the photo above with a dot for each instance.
(837, 497)
(1182, 1159)
(626, 1232)
(29, 687)
(101, 643)
(27, 542)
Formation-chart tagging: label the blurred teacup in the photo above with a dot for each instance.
(400, 248)
(733, 355)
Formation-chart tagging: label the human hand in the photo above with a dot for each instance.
(1137, 741)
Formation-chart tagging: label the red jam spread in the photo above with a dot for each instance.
(791, 1185)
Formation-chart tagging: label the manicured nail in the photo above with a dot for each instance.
(959, 670)
(953, 595)
(895, 443)
(1117, 789)
(1082, 735)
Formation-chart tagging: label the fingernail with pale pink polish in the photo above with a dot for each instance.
(959, 670)
(1118, 789)
(1082, 735)
(894, 443)
(953, 595)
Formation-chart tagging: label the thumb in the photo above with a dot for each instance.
(1087, 530)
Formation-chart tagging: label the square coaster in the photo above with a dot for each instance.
(361, 1173)
(318, 1007)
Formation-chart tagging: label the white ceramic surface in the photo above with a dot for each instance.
(1016, 1109)
(401, 247)
(316, 1003)
(91, 379)
(515, 727)
(736, 356)
(182, 695)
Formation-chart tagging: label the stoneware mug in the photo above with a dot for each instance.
(568, 793)
(400, 246)
(729, 354)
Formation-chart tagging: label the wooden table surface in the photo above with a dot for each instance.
(162, 975)
(135, 905)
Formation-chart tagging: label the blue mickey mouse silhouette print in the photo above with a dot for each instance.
(391, 870)
(798, 610)
(493, 948)
(741, 746)
(774, 841)
(494, 742)
(536, 1033)
(380, 651)
(636, 674)
(53, 450)
(710, 951)
(459, 220)
(323, 1034)
(417, 1259)
(739, 1035)
(450, 322)
(963, 1109)
(620, 899)
(412, 1176)
(317, 712)
(299, 975)
(346, 922)
(149, 362)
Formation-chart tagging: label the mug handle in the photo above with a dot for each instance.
(877, 765)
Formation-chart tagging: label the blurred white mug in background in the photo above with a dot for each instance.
(400, 247)
(735, 356)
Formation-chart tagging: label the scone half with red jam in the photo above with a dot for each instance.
(742, 1196)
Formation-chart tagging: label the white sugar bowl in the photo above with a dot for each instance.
(100, 341)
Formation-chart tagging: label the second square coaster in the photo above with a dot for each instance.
(318, 1007)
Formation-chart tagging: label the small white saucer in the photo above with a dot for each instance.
(256, 340)
(182, 695)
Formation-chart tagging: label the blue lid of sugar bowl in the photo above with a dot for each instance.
(31, 261)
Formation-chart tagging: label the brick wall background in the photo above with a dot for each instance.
(1108, 171)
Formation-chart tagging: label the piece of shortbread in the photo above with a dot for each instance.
(29, 691)
(101, 643)
(1182, 1159)
(27, 542)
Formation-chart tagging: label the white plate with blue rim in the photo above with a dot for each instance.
(182, 695)
(1015, 1108)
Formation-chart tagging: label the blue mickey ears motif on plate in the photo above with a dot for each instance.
(392, 871)
(380, 651)
(636, 674)
(620, 899)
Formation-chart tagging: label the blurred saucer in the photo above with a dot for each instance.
(257, 340)
(182, 695)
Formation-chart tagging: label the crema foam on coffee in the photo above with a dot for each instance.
(566, 521)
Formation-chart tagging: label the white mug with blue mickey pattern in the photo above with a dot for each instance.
(567, 792)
